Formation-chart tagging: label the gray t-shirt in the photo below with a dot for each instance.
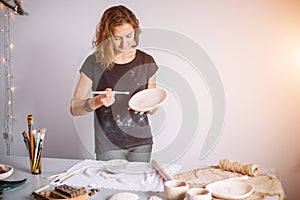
(116, 127)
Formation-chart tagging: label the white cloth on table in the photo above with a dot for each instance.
(139, 176)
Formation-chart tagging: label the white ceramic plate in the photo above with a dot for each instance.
(116, 165)
(147, 99)
(230, 189)
(5, 171)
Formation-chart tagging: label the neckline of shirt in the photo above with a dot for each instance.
(135, 56)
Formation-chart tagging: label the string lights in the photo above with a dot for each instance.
(6, 62)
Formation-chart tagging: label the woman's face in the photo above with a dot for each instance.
(123, 38)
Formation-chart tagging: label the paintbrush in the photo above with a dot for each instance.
(26, 140)
(30, 123)
(40, 146)
(31, 136)
(114, 92)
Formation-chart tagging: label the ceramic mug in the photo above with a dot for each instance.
(175, 189)
(198, 194)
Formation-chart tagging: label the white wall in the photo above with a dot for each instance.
(254, 45)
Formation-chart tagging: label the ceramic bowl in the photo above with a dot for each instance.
(175, 189)
(198, 194)
(5, 171)
(230, 189)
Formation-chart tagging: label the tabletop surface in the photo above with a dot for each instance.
(52, 166)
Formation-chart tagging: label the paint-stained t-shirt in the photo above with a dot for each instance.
(116, 127)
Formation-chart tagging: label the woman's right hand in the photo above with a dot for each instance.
(105, 99)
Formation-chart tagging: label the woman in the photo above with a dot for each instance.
(116, 65)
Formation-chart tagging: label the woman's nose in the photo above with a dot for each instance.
(122, 43)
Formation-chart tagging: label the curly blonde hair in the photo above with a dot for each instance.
(103, 44)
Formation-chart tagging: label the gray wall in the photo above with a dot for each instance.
(254, 46)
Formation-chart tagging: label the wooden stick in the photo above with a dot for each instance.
(66, 177)
(54, 175)
(62, 179)
(42, 188)
(163, 173)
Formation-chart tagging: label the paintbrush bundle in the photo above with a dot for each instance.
(34, 142)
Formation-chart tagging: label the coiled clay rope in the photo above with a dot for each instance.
(242, 168)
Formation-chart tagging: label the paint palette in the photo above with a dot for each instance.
(147, 99)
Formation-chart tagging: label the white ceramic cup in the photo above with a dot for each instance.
(198, 194)
(175, 189)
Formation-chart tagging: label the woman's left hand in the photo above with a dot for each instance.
(150, 112)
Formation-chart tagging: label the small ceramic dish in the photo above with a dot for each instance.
(198, 194)
(230, 189)
(147, 99)
(5, 171)
(124, 195)
(116, 165)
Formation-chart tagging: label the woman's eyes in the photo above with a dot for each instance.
(127, 36)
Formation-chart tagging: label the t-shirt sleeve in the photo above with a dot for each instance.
(152, 67)
(88, 65)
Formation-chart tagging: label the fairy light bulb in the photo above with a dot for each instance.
(11, 46)
(12, 89)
